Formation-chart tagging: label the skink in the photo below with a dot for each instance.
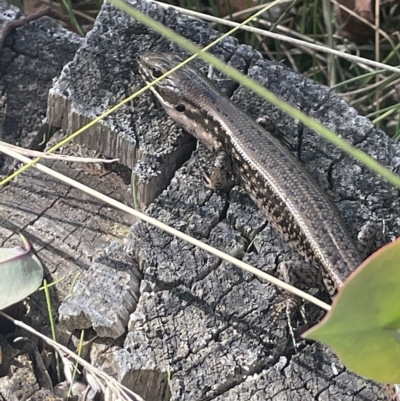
(273, 178)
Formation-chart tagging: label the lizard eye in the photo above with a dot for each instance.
(156, 72)
(181, 108)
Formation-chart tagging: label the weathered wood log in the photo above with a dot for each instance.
(203, 321)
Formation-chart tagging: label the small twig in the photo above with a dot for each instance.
(41, 12)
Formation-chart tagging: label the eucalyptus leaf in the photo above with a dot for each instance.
(21, 274)
(363, 324)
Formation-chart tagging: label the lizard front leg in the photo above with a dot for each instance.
(220, 176)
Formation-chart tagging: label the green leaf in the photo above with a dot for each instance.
(363, 325)
(21, 274)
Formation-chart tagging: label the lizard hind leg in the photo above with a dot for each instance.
(304, 276)
(271, 127)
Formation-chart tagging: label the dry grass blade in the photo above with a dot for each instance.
(107, 382)
(325, 49)
(170, 230)
(66, 158)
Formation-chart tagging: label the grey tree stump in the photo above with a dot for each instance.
(201, 327)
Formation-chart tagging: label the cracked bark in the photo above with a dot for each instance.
(204, 321)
